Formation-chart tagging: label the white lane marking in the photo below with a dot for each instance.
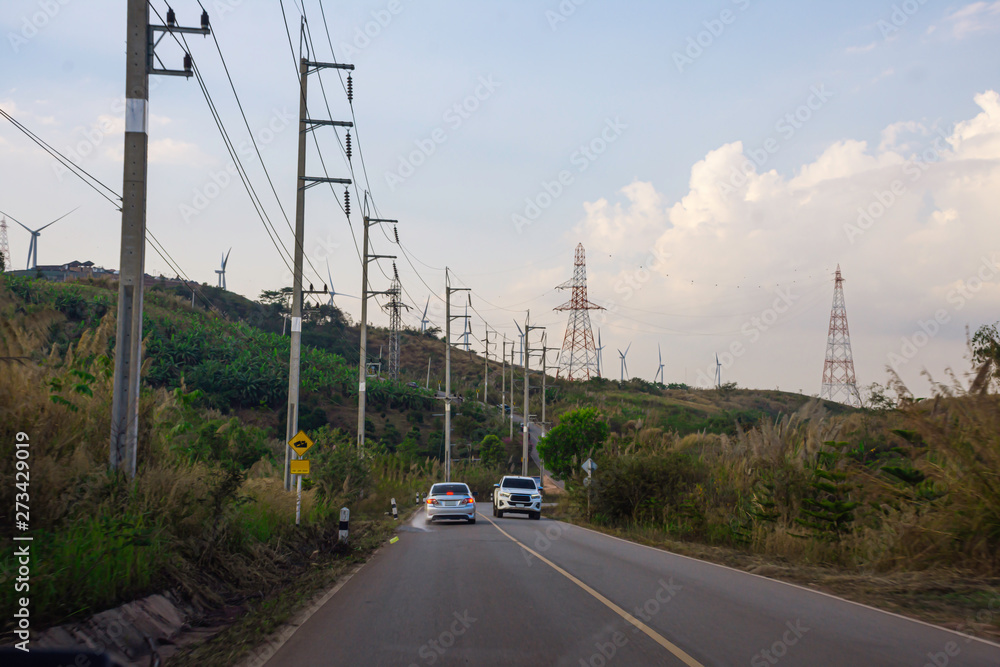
(968, 638)
(649, 632)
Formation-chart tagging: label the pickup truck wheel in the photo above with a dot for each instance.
(472, 520)
(536, 515)
(500, 514)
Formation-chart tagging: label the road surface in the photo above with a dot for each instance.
(517, 592)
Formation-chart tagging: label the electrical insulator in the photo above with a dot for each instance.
(310, 287)
(395, 232)
(187, 62)
(171, 16)
(347, 202)
(204, 19)
(350, 89)
(348, 146)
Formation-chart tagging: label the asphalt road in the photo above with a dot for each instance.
(460, 594)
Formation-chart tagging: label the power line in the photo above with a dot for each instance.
(77, 171)
(230, 148)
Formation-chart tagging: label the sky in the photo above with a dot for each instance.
(717, 160)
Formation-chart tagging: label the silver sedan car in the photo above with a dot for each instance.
(451, 500)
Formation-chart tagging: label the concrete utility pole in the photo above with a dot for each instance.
(524, 417)
(503, 382)
(363, 361)
(448, 289)
(511, 391)
(428, 385)
(544, 424)
(486, 371)
(303, 183)
(527, 408)
(139, 47)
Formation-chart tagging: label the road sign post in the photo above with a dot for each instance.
(300, 444)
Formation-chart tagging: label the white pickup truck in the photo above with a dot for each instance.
(517, 495)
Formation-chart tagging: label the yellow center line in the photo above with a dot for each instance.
(650, 632)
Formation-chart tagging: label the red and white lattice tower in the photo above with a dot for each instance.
(839, 383)
(4, 246)
(578, 359)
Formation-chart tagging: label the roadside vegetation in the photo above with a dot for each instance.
(905, 486)
(206, 516)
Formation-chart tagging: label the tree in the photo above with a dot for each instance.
(578, 432)
(3, 266)
(491, 451)
(985, 345)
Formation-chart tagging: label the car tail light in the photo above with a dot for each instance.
(470, 501)
(450, 493)
(432, 501)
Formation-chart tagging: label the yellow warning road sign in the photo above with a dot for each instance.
(300, 443)
(299, 467)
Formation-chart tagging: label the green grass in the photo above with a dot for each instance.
(90, 564)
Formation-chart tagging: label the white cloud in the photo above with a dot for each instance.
(728, 253)
(171, 151)
(973, 18)
(860, 49)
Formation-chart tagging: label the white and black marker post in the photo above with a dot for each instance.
(345, 521)
(418, 498)
(395, 512)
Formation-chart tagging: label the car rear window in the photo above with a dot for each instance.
(520, 484)
(443, 489)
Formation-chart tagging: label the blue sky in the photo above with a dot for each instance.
(702, 260)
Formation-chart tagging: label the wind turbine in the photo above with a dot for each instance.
(521, 334)
(35, 233)
(659, 373)
(718, 372)
(423, 318)
(624, 366)
(222, 272)
(599, 348)
(333, 292)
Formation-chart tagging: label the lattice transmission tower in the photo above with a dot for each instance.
(4, 246)
(578, 359)
(839, 383)
(393, 306)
